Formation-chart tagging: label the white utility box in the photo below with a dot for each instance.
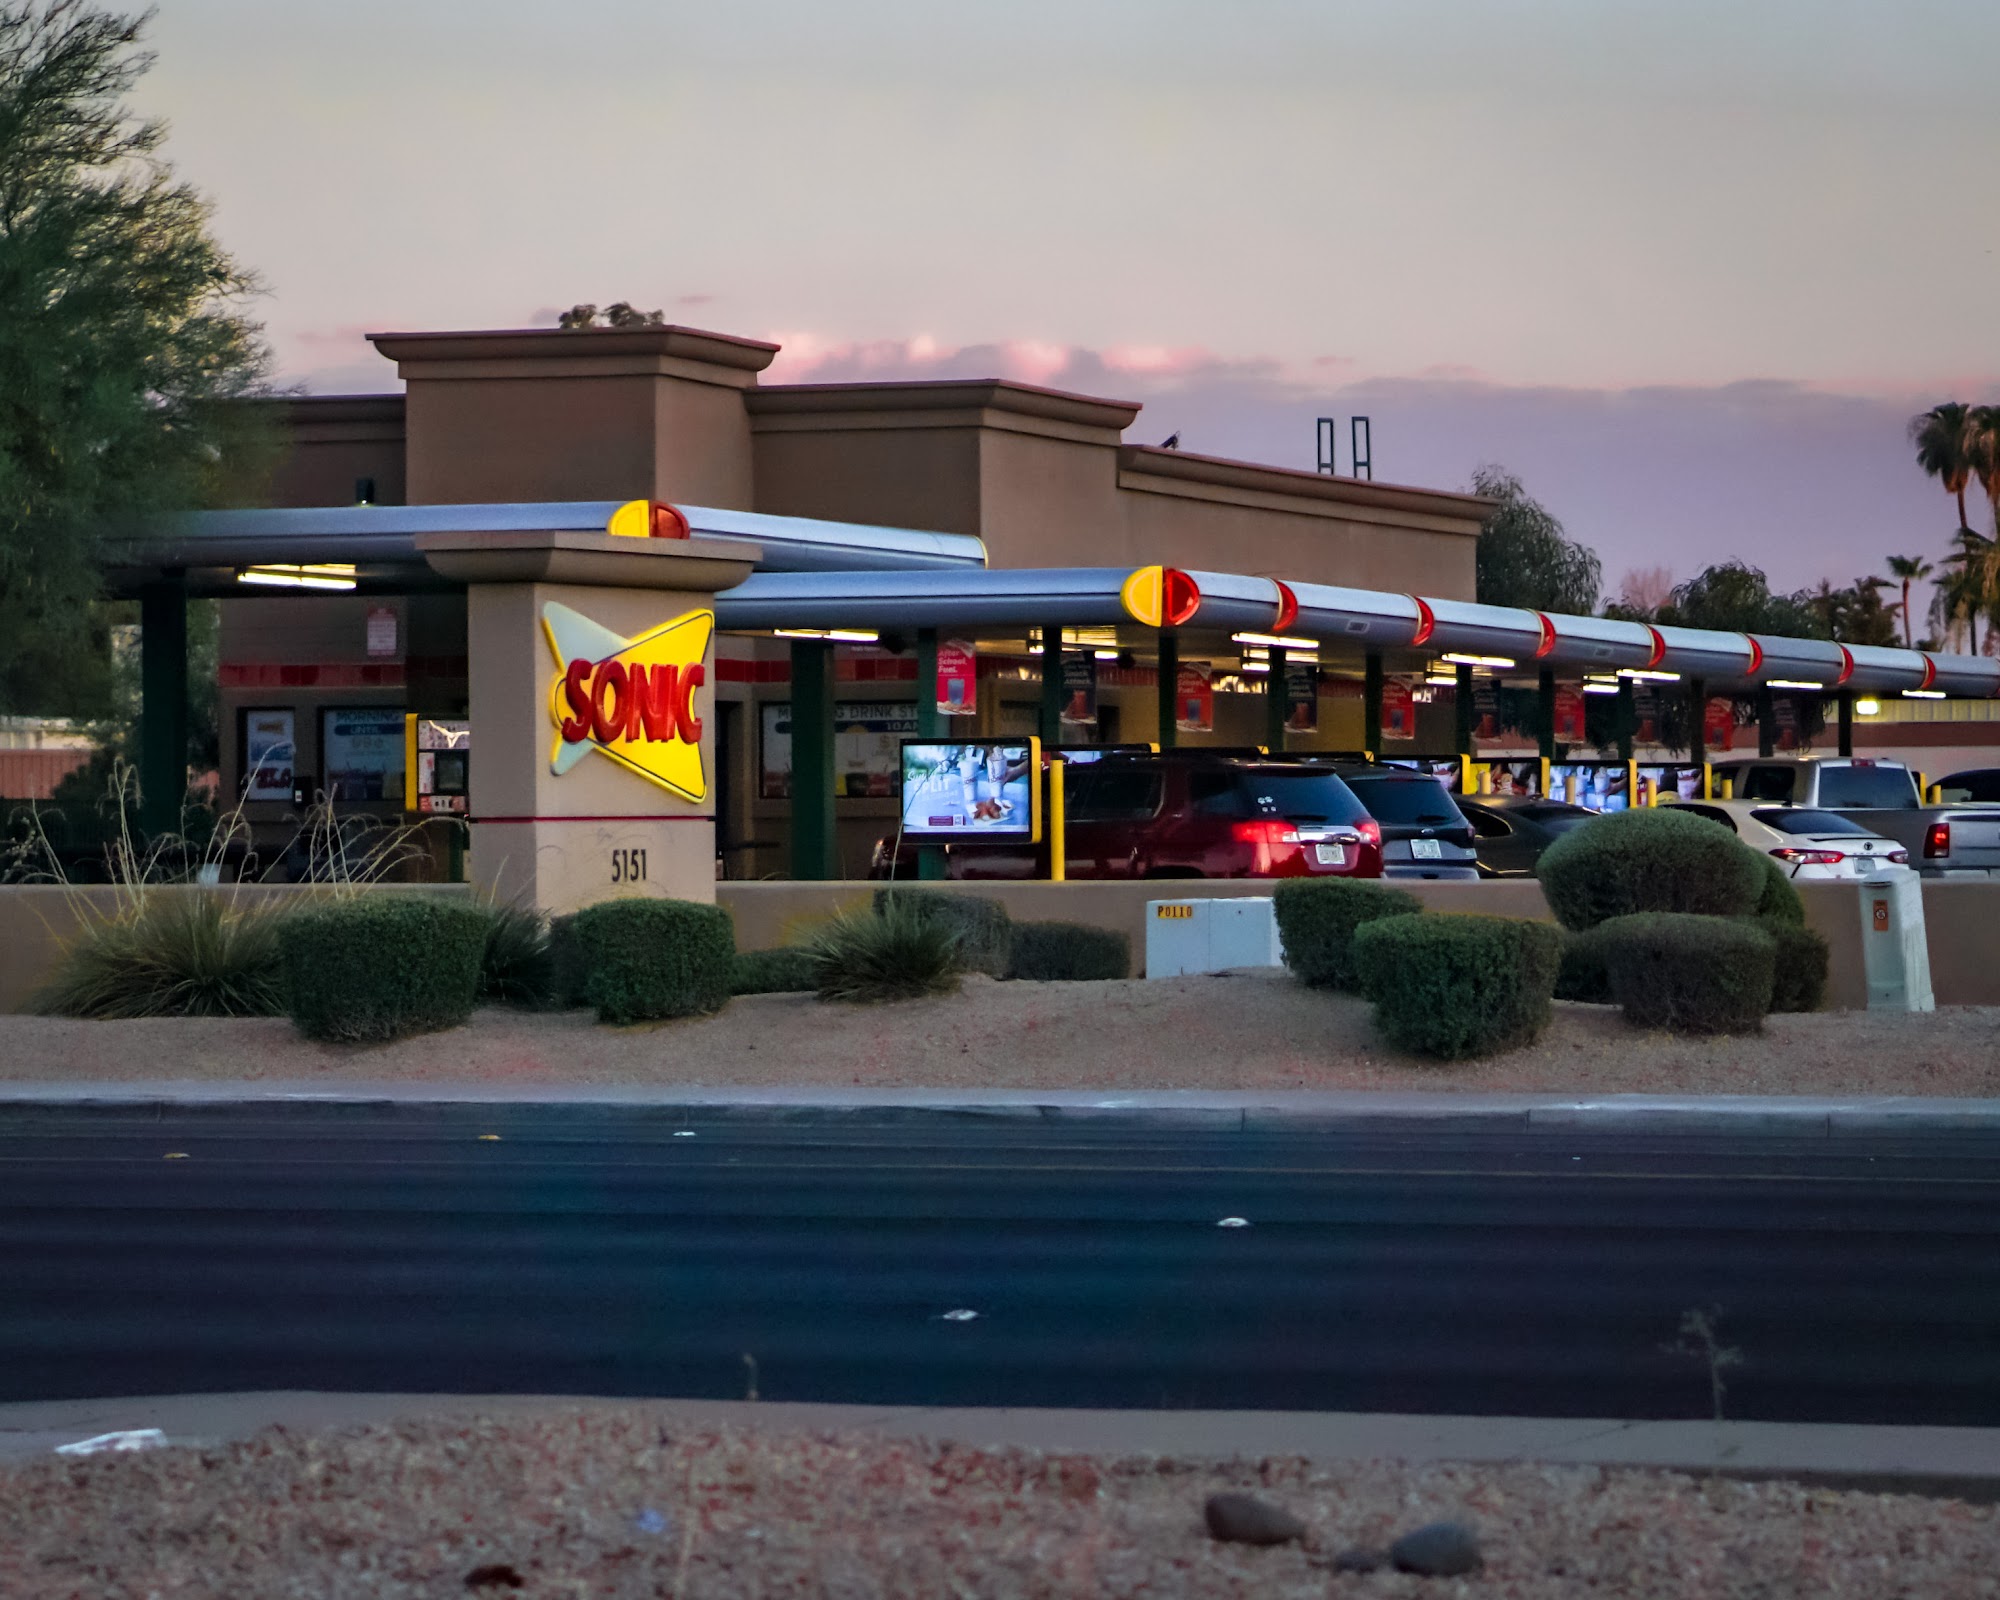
(1210, 935)
(1895, 952)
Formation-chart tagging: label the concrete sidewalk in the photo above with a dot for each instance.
(1806, 1116)
(1960, 1462)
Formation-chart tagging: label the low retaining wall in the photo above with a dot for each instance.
(1962, 918)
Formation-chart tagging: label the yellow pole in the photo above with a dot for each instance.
(1057, 853)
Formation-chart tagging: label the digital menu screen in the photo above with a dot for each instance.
(987, 789)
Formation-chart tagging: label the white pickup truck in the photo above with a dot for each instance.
(1943, 841)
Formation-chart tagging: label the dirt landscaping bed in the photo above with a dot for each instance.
(1249, 1031)
(603, 1501)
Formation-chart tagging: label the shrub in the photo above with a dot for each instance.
(565, 988)
(985, 931)
(1317, 918)
(1780, 900)
(516, 968)
(1583, 976)
(646, 960)
(1069, 952)
(1798, 969)
(1688, 973)
(782, 971)
(171, 954)
(1652, 859)
(899, 951)
(377, 966)
(1458, 984)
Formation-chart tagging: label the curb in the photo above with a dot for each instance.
(1283, 1111)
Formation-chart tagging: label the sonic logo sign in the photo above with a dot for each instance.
(632, 699)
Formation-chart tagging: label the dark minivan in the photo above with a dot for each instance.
(1424, 834)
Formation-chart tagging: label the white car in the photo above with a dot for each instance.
(1810, 842)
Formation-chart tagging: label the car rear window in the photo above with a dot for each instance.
(1888, 788)
(1557, 819)
(1981, 787)
(1804, 821)
(1110, 792)
(1421, 800)
(1298, 796)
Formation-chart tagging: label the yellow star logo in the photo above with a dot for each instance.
(631, 699)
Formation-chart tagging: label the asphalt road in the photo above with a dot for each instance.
(470, 1250)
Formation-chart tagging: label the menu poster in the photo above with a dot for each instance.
(268, 755)
(1079, 681)
(1194, 701)
(957, 678)
(1399, 710)
(1301, 697)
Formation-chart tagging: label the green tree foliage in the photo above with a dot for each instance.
(1944, 444)
(1525, 558)
(1856, 614)
(1736, 597)
(1907, 570)
(121, 335)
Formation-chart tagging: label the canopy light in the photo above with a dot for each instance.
(1792, 683)
(1105, 655)
(1256, 666)
(1600, 688)
(1274, 641)
(1443, 680)
(837, 635)
(281, 575)
(1646, 675)
(1923, 694)
(1870, 707)
(1478, 661)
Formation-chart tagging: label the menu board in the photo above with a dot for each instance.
(984, 789)
(361, 748)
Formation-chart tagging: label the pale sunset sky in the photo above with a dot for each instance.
(1686, 267)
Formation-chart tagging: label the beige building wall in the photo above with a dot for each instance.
(334, 443)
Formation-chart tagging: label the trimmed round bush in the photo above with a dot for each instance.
(1651, 859)
(1780, 900)
(1799, 963)
(1688, 973)
(648, 960)
(785, 970)
(1458, 984)
(984, 930)
(378, 965)
(1317, 918)
(899, 951)
(1069, 952)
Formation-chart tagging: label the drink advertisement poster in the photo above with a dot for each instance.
(268, 754)
(986, 789)
(1301, 697)
(1399, 710)
(1079, 681)
(1569, 716)
(1718, 722)
(957, 678)
(1194, 701)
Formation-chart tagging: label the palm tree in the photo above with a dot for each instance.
(1982, 452)
(1971, 584)
(1944, 442)
(1908, 570)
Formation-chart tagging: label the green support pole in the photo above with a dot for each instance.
(1844, 701)
(1767, 722)
(1545, 712)
(1170, 674)
(1371, 705)
(813, 855)
(1462, 709)
(1052, 690)
(1697, 698)
(1628, 717)
(1274, 703)
(163, 698)
(931, 724)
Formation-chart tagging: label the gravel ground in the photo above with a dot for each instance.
(1240, 1031)
(600, 1501)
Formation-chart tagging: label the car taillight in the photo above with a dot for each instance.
(1266, 830)
(1900, 857)
(1370, 831)
(1809, 858)
(1937, 840)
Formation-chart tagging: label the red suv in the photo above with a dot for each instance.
(1184, 814)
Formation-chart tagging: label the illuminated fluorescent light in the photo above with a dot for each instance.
(1276, 641)
(1869, 707)
(1477, 661)
(1105, 655)
(1642, 675)
(284, 575)
(1792, 683)
(1923, 694)
(1443, 680)
(837, 635)
(1600, 688)
(1256, 666)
